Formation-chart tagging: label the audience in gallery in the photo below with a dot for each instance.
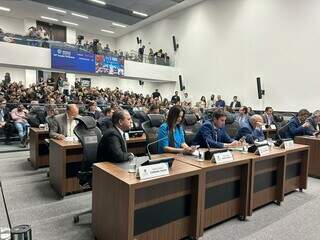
(22, 107)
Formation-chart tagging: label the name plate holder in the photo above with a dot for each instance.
(263, 150)
(273, 127)
(222, 157)
(153, 171)
(287, 144)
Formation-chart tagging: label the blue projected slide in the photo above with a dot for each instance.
(72, 60)
(110, 65)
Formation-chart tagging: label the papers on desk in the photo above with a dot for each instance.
(71, 139)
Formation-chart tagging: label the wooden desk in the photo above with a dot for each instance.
(297, 161)
(164, 208)
(65, 162)
(314, 144)
(226, 188)
(267, 183)
(39, 151)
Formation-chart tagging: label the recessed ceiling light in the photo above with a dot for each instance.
(70, 23)
(49, 18)
(107, 31)
(79, 15)
(5, 9)
(119, 25)
(140, 13)
(57, 10)
(98, 1)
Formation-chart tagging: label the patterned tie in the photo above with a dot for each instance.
(125, 142)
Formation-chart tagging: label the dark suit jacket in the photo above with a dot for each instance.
(59, 125)
(265, 119)
(251, 134)
(6, 114)
(112, 147)
(295, 129)
(237, 105)
(216, 137)
(313, 124)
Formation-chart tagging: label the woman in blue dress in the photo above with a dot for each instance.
(171, 134)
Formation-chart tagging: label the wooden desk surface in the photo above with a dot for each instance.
(178, 170)
(70, 145)
(311, 138)
(38, 130)
(238, 157)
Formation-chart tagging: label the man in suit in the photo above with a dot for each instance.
(252, 131)
(63, 124)
(235, 104)
(5, 121)
(213, 133)
(105, 121)
(298, 126)
(268, 117)
(113, 147)
(314, 121)
(220, 103)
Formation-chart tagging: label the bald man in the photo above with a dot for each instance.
(252, 131)
(63, 124)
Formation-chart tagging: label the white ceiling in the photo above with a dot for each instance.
(28, 9)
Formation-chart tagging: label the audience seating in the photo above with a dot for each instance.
(232, 126)
(191, 127)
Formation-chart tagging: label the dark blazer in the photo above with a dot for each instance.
(295, 129)
(313, 124)
(104, 124)
(265, 119)
(237, 105)
(112, 147)
(220, 104)
(216, 137)
(251, 134)
(6, 114)
(59, 125)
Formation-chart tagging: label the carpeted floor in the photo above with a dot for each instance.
(31, 200)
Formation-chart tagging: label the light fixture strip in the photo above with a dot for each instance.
(49, 18)
(5, 9)
(79, 15)
(57, 10)
(118, 25)
(70, 23)
(98, 1)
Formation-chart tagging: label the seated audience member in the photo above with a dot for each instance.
(171, 134)
(64, 124)
(5, 123)
(267, 116)
(298, 126)
(212, 102)
(235, 104)
(186, 100)
(250, 112)
(175, 98)
(213, 134)
(113, 147)
(20, 115)
(220, 103)
(93, 111)
(105, 121)
(242, 117)
(252, 131)
(154, 109)
(203, 102)
(314, 121)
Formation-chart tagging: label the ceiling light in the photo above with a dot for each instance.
(49, 18)
(70, 23)
(5, 9)
(57, 10)
(107, 31)
(140, 14)
(98, 1)
(119, 25)
(79, 15)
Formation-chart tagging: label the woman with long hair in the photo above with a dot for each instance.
(171, 134)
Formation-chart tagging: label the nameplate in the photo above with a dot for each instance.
(263, 150)
(287, 144)
(273, 127)
(222, 157)
(154, 170)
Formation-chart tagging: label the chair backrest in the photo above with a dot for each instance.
(232, 126)
(190, 119)
(151, 128)
(89, 136)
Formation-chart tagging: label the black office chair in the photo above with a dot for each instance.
(232, 126)
(191, 126)
(150, 128)
(89, 136)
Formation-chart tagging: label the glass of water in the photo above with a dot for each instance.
(132, 165)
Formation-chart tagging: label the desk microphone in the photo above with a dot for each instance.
(152, 143)
(208, 154)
